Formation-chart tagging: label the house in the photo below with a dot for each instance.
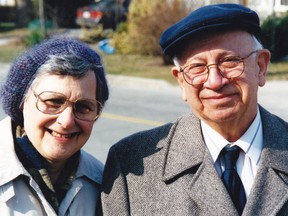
(7, 10)
(264, 8)
(7, 3)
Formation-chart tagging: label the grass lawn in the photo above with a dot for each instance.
(136, 65)
(278, 71)
(9, 53)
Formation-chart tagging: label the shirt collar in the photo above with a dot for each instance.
(90, 167)
(250, 142)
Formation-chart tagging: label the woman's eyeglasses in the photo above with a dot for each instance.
(52, 103)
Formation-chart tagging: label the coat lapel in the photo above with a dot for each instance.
(185, 149)
(209, 192)
(270, 190)
(188, 161)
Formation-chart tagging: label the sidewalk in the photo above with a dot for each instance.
(8, 40)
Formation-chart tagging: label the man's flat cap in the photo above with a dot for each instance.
(209, 19)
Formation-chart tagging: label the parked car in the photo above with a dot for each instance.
(108, 13)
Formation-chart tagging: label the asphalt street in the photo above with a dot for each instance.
(137, 104)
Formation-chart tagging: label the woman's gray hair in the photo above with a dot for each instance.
(66, 64)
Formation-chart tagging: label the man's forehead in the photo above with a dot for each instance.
(235, 40)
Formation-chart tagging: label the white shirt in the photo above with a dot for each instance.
(251, 143)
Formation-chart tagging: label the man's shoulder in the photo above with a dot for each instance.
(156, 137)
(271, 120)
(146, 137)
(275, 129)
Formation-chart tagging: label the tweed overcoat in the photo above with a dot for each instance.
(169, 171)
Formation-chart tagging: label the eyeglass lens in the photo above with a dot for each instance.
(55, 103)
(229, 67)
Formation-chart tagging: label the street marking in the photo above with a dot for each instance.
(131, 119)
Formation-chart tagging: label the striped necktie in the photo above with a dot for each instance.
(231, 178)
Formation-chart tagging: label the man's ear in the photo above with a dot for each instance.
(263, 62)
(180, 79)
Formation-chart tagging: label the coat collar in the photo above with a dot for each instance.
(275, 132)
(270, 191)
(11, 167)
(185, 147)
(189, 162)
(90, 167)
(187, 159)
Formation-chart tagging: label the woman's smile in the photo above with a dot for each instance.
(62, 135)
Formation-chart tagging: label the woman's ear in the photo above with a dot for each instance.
(263, 62)
(180, 79)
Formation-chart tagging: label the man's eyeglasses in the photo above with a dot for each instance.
(52, 103)
(229, 67)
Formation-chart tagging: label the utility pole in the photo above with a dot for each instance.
(42, 18)
(273, 30)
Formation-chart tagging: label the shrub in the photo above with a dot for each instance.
(95, 34)
(274, 36)
(33, 38)
(146, 21)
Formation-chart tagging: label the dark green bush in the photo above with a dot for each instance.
(274, 36)
(33, 38)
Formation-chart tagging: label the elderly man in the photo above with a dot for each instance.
(230, 155)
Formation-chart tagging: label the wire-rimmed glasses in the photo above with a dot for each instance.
(229, 67)
(52, 103)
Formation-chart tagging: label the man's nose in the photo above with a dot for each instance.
(215, 79)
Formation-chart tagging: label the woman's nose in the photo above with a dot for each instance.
(66, 118)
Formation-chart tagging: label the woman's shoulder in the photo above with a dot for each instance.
(90, 167)
(90, 160)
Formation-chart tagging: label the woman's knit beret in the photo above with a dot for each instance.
(22, 71)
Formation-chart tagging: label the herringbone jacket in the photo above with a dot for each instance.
(169, 171)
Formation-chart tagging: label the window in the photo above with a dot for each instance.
(284, 2)
(7, 2)
(281, 6)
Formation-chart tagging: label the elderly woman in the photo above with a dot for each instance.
(53, 95)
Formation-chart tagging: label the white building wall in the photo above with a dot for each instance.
(264, 8)
(7, 3)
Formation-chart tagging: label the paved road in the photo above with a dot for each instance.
(138, 104)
